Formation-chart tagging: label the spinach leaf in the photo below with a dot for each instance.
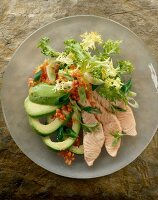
(64, 132)
(92, 110)
(90, 127)
(64, 99)
(70, 132)
(94, 87)
(37, 76)
(62, 65)
(60, 134)
(117, 108)
(127, 86)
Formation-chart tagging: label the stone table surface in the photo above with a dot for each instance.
(20, 178)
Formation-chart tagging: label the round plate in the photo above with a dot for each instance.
(28, 56)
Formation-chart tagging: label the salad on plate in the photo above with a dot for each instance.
(80, 100)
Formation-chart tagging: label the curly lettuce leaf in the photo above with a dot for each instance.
(111, 93)
(114, 90)
(125, 67)
(110, 47)
(95, 71)
(46, 49)
(65, 59)
(89, 40)
(72, 46)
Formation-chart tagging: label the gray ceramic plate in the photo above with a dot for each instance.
(28, 56)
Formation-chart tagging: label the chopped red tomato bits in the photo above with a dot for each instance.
(72, 67)
(68, 156)
(76, 73)
(30, 82)
(77, 141)
(67, 108)
(59, 114)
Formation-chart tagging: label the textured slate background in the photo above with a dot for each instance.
(20, 178)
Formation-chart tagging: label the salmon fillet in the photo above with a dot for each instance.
(126, 119)
(102, 101)
(110, 125)
(92, 141)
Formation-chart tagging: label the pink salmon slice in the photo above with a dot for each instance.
(110, 125)
(126, 119)
(92, 141)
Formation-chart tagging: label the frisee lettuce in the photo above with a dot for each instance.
(96, 71)
(65, 59)
(111, 93)
(110, 47)
(72, 46)
(89, 40)
(45, 47)
(125, 67)
(97, 63)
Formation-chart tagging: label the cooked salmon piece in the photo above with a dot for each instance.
(92, 141)
(127, 119)
(101, 100)
(111, 125)
(112, 149)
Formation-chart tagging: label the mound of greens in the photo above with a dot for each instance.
(93, 57)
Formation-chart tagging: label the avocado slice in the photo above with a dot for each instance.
(50, 72)
(59, 146)
(77, 150)
(68, 141)
(37, 110)
(46, 130)
(45, 94)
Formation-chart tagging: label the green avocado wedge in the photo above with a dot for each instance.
(77, 149)
(38, 110)
(59, 146)
(68, 142)
(50, 72)
(46, 130)
(45, 94)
